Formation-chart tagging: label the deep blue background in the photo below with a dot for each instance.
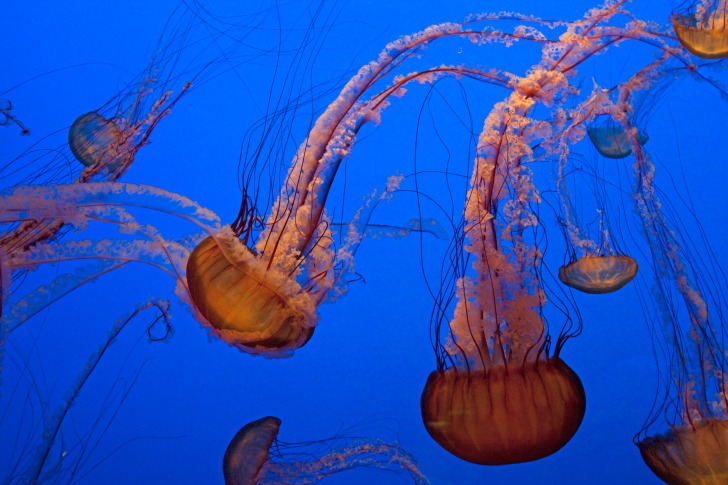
(368, 361)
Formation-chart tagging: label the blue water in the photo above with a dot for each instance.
(164, 412)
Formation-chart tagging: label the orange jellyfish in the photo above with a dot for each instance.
(599, 274)
(594, 267)
(687, 320)
(501, 393)
(259, 285)
(702, 28)
(255, 456)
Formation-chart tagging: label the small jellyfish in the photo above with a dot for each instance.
(610, 140)
(248, 451)
(702, 28)
(255, 456)
(94, 140)
(599, 274)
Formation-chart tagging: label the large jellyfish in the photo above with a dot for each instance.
(259, 289)
(499, 370)
(688, 324)
(702, 28)
(255, 456)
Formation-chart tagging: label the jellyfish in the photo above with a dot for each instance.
(688, 324)
(90, 136)
(610, 140)
(109, 145)
(255, 456)
(599, 274)
(259, 288)
(701, 28)
(501, 393)
(498, 395)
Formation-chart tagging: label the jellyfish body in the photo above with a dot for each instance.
(504, 415)
(94, 140)
(248, 451)
(611, 141)
(703, 28)
(501, 393)
(247, 304)
(689, 455)
(599, 274)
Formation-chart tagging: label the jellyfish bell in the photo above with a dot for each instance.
(248, 451)
(610, 139)
(702, 28)
(599, 274)
(246, 303)
(94, 140)
(504, 415)
(689, 454)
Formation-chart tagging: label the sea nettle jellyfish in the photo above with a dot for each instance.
(687, 319)
(256, 456)
(258, 289)
(702, 28)
(501, 393)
